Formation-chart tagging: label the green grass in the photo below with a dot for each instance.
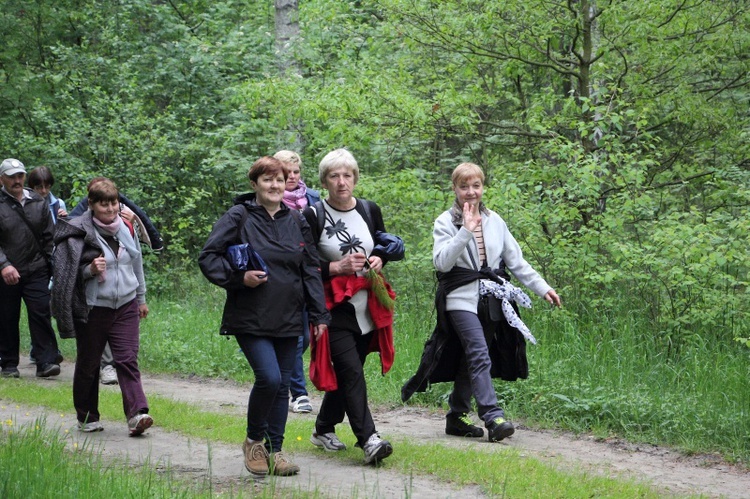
(36, 463)
(503, 472)
(604, 372)
(607, 372)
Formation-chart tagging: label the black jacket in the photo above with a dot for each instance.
(19, 245)
(275, 307)
(443, 351)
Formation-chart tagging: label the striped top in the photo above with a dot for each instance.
(479, 237)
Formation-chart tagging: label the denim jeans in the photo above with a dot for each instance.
(271, 360)
(297, 383)
(473, 376)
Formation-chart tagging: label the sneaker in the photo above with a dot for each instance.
(47, 370)
(108, 375)
(90, 427)
(376, 449)
(301, 404)
(461, 425)
(256, 457)
(139, 423)
(280, 465)
(10, 372)
(499, 429)
(328, 441)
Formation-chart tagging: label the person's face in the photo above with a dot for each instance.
(469, 190)
(269, 189)
(340, 185)
(105, 211)
(295, 173)
(42, 190)
(14, 184)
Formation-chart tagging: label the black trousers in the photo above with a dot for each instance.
(34, 291)
(348, 353)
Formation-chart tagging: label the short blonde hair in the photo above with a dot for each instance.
(465, 171)
(335, 159)
(288, 157)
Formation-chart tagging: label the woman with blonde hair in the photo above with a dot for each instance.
(478, 334)
(297, 196)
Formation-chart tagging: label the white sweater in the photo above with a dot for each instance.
(451, 248)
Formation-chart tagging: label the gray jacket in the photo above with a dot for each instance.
(75, 290)
(452, 244)
(19, 245)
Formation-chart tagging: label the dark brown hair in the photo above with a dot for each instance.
(41, 175)
(267, 165)
(103, 190)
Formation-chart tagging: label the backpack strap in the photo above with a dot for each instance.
(245, 213)
(320, 213)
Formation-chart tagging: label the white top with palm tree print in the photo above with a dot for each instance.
(346, 232)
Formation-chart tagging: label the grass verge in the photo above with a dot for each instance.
(502, 472)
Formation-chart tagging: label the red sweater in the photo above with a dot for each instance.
(340, 289)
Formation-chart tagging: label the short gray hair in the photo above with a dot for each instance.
(336, 159)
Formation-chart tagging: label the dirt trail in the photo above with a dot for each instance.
(668, 470)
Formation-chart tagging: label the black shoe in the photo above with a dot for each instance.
(500, 429)
(47, 370)
(10, 372)
(461, 426)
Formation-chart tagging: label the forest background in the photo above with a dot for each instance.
(614, 136)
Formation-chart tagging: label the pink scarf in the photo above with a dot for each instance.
(296, 199)
(109, 229)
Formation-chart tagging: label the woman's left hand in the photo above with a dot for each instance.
(376, 263)
(127, 214)
(319, 329)
(552, 298)
(142, 310)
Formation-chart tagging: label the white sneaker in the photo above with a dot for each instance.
(108, 375)
(327, 441)
(376, 449)
(301, 404)
(139, 423)
(90, 427)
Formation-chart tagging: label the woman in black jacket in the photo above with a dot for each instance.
(263, 307)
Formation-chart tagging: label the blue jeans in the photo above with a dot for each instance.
(271, 360)
(473, 376)
(297, 383)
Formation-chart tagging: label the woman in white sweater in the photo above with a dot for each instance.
(472, 246)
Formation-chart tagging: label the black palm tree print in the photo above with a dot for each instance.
(348, 243)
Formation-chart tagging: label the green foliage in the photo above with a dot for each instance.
(614, 136)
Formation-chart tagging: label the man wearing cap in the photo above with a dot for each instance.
(26, 231)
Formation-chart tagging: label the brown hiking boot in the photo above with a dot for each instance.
(280, 465)
(256, 457)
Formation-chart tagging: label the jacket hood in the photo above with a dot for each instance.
(248, 199)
